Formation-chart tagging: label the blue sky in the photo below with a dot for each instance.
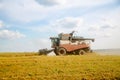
(26, 25)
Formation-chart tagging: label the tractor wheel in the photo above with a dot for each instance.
(62, 51)
(81, 52)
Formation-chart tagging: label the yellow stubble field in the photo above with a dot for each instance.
(30, 66)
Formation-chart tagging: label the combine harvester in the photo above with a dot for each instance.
(68, 44)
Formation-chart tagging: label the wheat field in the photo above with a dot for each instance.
(30, 66)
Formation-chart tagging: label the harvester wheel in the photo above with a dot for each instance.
(62, 51)
(88, 50)
(81, 52)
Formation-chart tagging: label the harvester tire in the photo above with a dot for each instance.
(88, 50)
(62, 51)
(81, 52)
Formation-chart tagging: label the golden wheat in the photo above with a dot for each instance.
(72, 67)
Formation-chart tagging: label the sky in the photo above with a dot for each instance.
(27, 25)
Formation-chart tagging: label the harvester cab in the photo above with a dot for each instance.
(56, 40)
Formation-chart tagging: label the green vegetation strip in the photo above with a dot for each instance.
(72, 67)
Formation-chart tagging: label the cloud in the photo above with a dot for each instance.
(26, 11)
(1, 24)
(56, 16)
(87, 3)
(50, 3)
(31, 10)
(100, 26)
(41, 43)
(104, 28)
(22, 45)
(67, 24)
(7, 34)
(22, 11)
(1, 5)
(103, 24)
(47, 2)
